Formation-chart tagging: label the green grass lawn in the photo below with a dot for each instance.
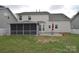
(38, 44)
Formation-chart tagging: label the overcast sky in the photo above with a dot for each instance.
(68, 7)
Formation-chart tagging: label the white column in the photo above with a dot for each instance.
(37, 28)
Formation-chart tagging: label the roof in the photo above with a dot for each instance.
(23, 22)
(3, 7)
(34, 13)
(75, 21)
(12, 13)
(74, 16)
(58, 17)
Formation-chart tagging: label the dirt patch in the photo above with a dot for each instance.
(45, 39)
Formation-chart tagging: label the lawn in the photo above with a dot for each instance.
(39, 44)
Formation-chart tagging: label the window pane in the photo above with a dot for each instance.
(19, 26)
(39, 27)
(20, 17)
(56, 26)
(29, 17)
(49, 26)
(13, 26)
(32, 26)
(26, 26)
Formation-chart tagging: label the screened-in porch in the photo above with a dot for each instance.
(23, 29)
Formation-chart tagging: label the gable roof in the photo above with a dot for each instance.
(75, 21)
(58, 17)
(12, 14)
(74, 16)
(3, 7)
(33, 13)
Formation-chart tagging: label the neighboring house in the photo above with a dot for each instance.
(42, 23)
(75, 24)
(6, 16)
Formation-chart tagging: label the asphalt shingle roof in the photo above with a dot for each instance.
(52, 17)
(34, 13)
(58, 17)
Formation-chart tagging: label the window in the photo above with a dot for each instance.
(29, 17)
(20, 18)
(8, 17)
(49, 26)
(56, 26)
(39, 27)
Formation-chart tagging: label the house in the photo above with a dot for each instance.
(33, 23)
(6, 16)
(42, 23)
(75, 24)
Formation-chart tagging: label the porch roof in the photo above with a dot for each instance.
(20, 22)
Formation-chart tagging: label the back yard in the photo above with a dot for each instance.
(39, 44)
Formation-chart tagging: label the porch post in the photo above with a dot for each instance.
(23, 29)
(37, 28)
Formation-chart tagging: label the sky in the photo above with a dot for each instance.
(67, 7)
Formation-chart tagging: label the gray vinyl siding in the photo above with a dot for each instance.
(4, 21)
(75, 22)
(6, 18)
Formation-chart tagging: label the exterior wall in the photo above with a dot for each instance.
(47, 30)
(75, 31)
(35, 17)
(75, 23)
(63, 26)
(4, 21)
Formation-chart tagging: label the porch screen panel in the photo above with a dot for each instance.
(13, 28)
(26, 28)
(19, 28)
(29, 28)
(33, 29)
